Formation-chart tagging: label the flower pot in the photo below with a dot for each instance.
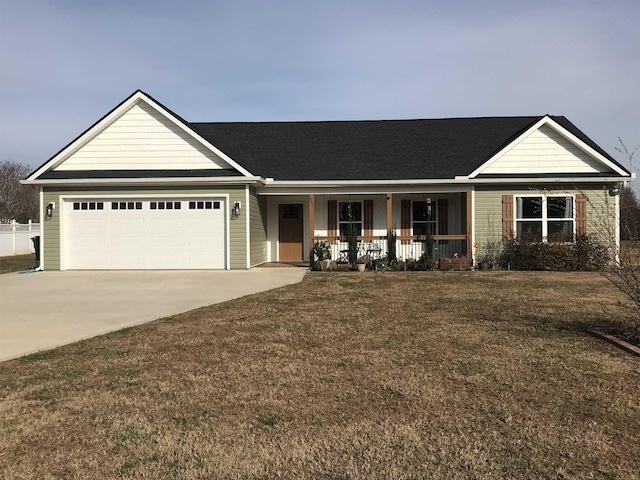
(361, 266)
(483, 265)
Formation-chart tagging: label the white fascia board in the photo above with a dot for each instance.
(362, 187)
(598, 156)
(502, 181)
(546, 120)
(116, 113)
(193, 134)
(515, 142)
(147, 181)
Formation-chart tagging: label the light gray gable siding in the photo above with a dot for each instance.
(237, 227)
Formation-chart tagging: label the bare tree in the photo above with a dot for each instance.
(629, 215)
(623, 265)
(17, 201)
(629, 207)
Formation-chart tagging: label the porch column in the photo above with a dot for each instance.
(469, 226)
(389, 212)
(312, 224)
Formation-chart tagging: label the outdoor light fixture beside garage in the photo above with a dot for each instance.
(235, 211)
(49, 211)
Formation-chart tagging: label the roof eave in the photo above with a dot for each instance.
(114, 182)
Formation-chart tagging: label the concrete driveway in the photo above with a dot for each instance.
(43, 310)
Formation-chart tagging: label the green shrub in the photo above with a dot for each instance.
(585, 254)
(391, 247)
(352, 241)
(425, 262)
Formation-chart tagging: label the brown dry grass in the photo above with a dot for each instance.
(347, 375)
(16, 263)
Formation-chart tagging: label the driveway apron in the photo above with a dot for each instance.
(43, 310)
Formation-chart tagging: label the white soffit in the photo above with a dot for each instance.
(547, 148)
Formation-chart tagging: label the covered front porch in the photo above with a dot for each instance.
(296, 222)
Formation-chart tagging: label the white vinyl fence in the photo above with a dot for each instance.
(15, 238)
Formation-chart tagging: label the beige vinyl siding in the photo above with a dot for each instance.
(488, 207)
(237, 227)
(545, 151)
(142, 139)
(257, 228)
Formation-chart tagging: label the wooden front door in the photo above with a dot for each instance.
(290, 232)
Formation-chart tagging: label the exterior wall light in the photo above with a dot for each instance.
(235, 211)
(49, 211)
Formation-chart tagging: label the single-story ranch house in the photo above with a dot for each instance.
(144, 189)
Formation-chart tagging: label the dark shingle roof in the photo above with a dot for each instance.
(370, 150)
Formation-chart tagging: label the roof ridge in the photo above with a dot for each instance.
(386, 120)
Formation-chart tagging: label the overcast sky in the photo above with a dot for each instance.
(64, 64)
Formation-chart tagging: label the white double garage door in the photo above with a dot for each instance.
(143, 233)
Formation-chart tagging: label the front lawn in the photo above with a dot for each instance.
(346, 375)
(16, 263)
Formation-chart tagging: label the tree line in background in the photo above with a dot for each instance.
(629, 215)
(17, 202)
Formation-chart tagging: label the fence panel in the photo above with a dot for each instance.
(15, 238)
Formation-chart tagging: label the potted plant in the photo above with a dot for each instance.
(361, 263)
(322, 254)
(489, 255)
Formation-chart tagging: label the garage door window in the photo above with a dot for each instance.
(126, 205)
(204, 205)
(165, 205)
(88, 205)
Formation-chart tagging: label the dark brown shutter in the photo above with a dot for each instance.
(332, 220)
(507, 218)
(405, 220)
(581, 214)
(368, 218)
(443, 217)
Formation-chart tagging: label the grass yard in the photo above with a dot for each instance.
(346, 375)
(16, 263)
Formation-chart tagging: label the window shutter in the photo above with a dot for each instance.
(368, 218)
(581, 214)
(332, 220)
(507, 218)
(443, 217)
(405, 220)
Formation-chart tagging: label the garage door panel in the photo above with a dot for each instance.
(129, 234)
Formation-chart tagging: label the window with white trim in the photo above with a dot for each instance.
(423, 220)
(545, 218)
(349, 213)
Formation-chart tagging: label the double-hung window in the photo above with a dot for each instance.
(424, 218)
(545, 218)
(349, 214)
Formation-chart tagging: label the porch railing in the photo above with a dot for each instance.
(407, 247)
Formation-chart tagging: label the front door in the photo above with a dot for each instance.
(290, 232)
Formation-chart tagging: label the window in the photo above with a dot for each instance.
(424, 218)
(201, 205)
(545, 218)
(89, 205)
(124, 206)
(349, 213)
